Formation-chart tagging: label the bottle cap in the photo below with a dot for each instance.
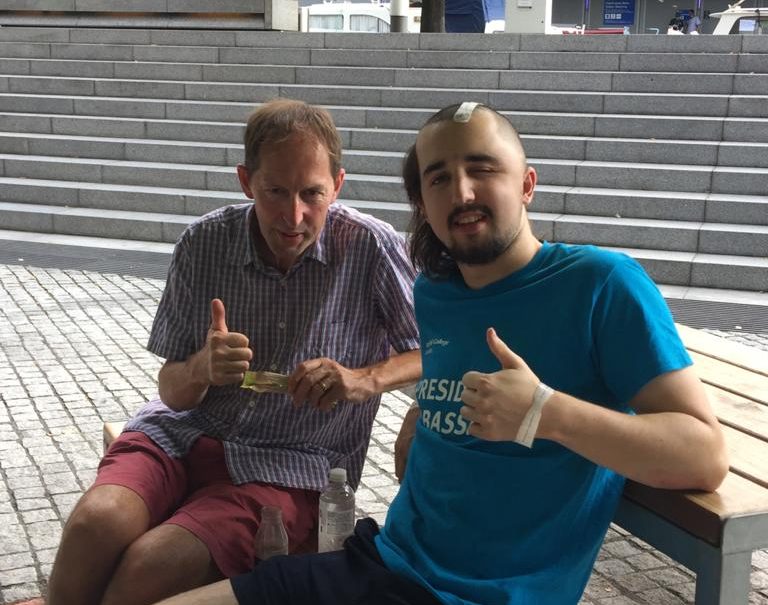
(338, 475)
(271, 512)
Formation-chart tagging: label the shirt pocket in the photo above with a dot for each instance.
(331, 338)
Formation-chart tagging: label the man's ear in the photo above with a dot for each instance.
(338, 181)
(245, 181)
(529, 184)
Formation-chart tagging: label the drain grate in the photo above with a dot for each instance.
(712, 315)
(150, 265)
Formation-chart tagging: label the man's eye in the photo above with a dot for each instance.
(437, 180)
(314, 195)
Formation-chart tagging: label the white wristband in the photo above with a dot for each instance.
(530, 424)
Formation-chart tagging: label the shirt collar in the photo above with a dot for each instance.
(243, 248)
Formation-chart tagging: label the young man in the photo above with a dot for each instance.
(290, 283)
(550, 372)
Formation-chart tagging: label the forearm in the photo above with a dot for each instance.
(397, 371)
(182, 384)
(671, 450)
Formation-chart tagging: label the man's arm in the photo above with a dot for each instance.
(223, 360)
(674, 441)
(405, 439)
(323, 381)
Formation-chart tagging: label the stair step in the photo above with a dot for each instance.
(83, 90)
(120, 117)
(683, 236)
(500, 41)
(588, 78)
(624, 175)
(551, 199)
(388, 144)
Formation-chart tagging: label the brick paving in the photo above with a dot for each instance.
(72, 356)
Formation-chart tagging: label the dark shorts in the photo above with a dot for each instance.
(195, 492)
(356, 575)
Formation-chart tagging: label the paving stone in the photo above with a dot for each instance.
(660, 596)
(637, 582)
(12, 594)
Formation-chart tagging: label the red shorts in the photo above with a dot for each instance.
(196, 493)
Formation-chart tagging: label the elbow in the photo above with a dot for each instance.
(716, 472)
(717, 463)
(712, 471)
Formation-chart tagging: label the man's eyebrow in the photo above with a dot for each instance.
(481, 157)
(472, 158)
(433, 167)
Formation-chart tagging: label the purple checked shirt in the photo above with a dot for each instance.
(348, 298)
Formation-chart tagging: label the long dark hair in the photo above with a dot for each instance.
(428, 254)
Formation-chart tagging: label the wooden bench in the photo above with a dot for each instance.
(712, 534)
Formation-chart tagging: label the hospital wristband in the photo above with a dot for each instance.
(530, 424)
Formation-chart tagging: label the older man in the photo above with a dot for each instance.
(291, 283)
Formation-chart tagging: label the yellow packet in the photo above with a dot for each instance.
(265, 382)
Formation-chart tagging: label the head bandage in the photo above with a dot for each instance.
(464, 112)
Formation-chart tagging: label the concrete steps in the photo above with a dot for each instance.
(654, 145)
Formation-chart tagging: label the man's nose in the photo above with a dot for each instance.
(294, 212)
(463, 190)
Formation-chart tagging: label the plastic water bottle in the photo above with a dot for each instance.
(337, 512)
(271, 538)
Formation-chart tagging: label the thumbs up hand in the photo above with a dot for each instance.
(227, 353)
(496, 403)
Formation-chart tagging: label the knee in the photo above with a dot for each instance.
(107, 514)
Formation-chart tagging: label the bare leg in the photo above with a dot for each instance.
(214, 594)
(104, 522)
(165, 561)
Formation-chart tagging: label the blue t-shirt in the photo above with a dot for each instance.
(494, 522)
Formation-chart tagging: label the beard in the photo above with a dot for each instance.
(480, 252)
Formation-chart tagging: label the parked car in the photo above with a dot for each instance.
(352, 17)
(738, 20)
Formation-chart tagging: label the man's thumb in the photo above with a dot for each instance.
(218, 316)
(507, 358)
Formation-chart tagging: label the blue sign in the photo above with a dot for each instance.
(618, 12)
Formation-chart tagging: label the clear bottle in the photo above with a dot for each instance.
(271, 538)
(337, 512)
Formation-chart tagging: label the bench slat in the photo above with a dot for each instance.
(731, 378)
(748, 455)
(734, 353)
(738, 412)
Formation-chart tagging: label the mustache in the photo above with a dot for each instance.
(469, 208)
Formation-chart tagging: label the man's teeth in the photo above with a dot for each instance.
(466, 220)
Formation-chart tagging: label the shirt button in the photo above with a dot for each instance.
(273, 367)
(281, 325)
(251, 404)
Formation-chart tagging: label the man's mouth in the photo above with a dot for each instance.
(290, 236)
(469, 216)
(469, 219)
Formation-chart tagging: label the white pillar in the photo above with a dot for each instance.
(398, 16)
